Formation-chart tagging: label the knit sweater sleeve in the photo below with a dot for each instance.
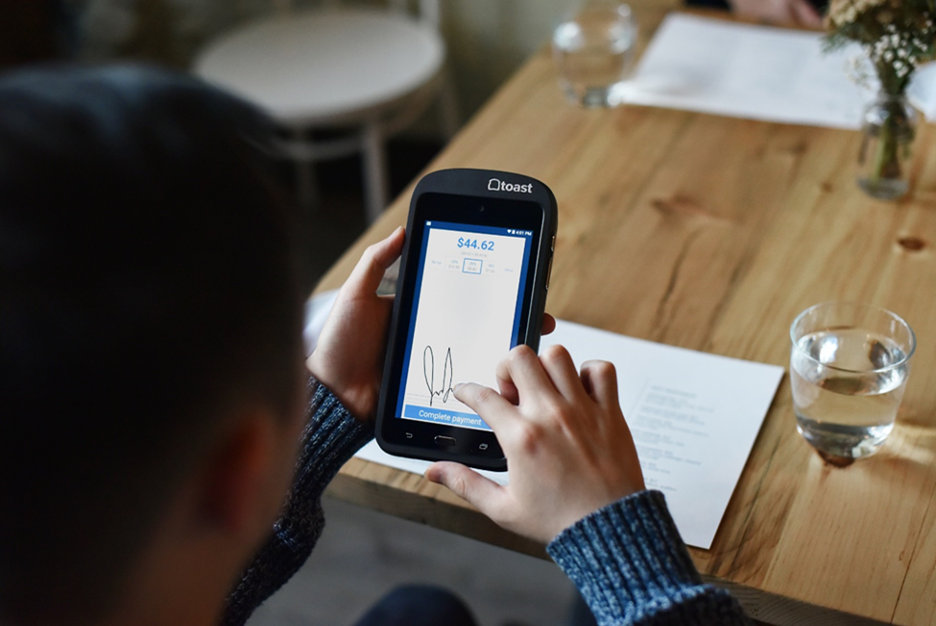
(631, 567)
(331, 436)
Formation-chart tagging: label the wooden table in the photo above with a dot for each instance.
(712, 233)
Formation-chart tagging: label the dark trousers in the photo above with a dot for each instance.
(418, 605)
(580, 614)
(424, 605)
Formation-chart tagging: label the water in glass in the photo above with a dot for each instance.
(847, 386)
(594, 51)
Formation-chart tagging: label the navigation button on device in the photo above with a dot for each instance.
(442, 440)
(409, 435)
(483, 447)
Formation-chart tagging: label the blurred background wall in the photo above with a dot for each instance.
(489, 39)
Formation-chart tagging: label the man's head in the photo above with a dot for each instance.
(149, 301)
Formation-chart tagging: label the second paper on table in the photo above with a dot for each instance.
(754, 72)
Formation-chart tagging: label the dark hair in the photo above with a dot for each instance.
(148, 285)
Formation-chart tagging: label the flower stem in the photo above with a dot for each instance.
(886, 159)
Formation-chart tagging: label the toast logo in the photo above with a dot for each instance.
(498, 185)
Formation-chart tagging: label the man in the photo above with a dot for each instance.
(154, 391)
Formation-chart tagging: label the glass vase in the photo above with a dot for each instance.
(889, 127)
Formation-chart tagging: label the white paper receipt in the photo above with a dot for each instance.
(694, 417)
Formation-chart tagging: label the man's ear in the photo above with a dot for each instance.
(234, 494)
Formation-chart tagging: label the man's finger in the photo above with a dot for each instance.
(549, 324)
(600, 379)
(523, 369)
(561, 370)
(507, 389)
(490, 405)
(483, 493)
(370, 270)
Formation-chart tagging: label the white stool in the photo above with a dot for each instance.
(371, 70)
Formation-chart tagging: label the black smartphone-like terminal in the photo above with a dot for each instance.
(473, 282)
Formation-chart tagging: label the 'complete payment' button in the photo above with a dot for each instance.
(440, 416)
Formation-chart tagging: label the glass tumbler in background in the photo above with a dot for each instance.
(594, 51)
(848, 368)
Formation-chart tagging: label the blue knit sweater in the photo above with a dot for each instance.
(627, 559)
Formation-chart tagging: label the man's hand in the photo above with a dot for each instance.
(798, 12)
(349, 355)
(567, 445)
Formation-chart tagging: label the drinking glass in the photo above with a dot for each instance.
(848, 368)
(594, 51)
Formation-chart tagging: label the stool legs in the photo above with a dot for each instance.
(448, 107)
(307, 191)
(375, 171)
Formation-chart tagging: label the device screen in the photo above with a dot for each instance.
(466, 317)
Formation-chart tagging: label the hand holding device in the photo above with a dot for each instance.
(568, 445)
(473, 281)
(349, 356)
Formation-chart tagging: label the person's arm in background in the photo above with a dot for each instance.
(796, 12)
(576, 484)
(346, 369)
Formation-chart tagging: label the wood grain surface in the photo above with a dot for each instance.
(712, 233)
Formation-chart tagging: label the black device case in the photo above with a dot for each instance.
(476, 184)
